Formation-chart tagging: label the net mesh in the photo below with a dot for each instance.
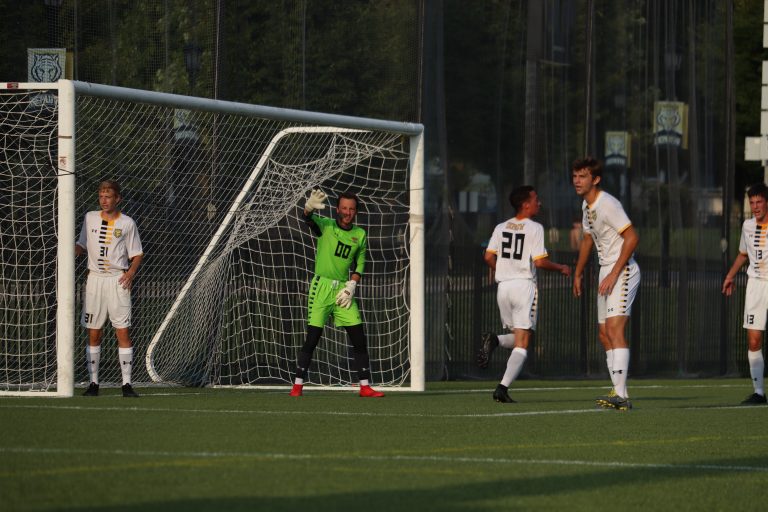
(28, 241)
(220, 298)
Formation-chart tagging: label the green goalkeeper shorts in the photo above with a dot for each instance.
(322, 304)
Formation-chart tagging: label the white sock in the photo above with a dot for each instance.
(609, 363)
(757, 370)
(92, 357)
(364, 382)
(125, 355)
(514, 365)
(507, 340)
(299, 381)
(620, 370)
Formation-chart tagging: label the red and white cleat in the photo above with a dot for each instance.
(297, 390)
(369, 392)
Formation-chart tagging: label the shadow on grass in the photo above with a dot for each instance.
(690, 487)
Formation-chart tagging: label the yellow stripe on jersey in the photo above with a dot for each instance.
(760, 234)
(105, 240)
(105, 231)
(620, 231)
(759, 243)
(540, 256)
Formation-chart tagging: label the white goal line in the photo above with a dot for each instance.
(390, 458)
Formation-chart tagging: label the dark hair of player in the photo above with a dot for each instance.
(594, 165)
(758, 189)
(520, 195)
(350, 195)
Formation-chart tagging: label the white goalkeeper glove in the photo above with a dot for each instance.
(344, 297)
(316, 201)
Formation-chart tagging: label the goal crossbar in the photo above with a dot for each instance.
(68, 174)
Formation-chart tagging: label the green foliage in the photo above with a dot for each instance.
(484, 79)
(22, 26)
(355, 58)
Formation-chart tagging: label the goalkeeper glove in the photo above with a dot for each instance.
(316, 201)
(344, 297)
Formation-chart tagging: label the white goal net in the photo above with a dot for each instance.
(217, 190)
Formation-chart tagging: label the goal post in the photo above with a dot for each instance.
(65, 274)
(417, 283)
(216, 189)
(37, 274)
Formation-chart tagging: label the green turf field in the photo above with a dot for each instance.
(687, 445)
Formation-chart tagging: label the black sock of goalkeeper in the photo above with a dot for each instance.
(360, 351)
(305, 355)
(302, 366)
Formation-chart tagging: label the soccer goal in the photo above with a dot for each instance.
(217, 190)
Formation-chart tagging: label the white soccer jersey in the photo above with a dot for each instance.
(752, 244)
(109, 243)
(605, 220)
(517, 243)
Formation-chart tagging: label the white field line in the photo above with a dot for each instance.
(278, 389)
(261, 412)
(257, 412)
(10, 405)
(386, 458)
(491, 385)
(632, 387)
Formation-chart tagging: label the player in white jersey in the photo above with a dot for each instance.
(515, 251)
(752, 249)
(112, 242)
(608, 229)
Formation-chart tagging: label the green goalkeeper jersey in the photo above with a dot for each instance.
(339, 250)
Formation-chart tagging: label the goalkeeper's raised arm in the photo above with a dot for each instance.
(316, 201)
(339, 266)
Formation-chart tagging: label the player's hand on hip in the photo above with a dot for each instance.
(607, 284)
(316, 201)
(344, 297)
(126, 280)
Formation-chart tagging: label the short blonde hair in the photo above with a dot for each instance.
(110, 185)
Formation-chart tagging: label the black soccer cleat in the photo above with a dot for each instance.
(93, 390)
(488, 344)
(128, 391)
(614, 402)
(754, 399)
(501, 396)
(601, 403)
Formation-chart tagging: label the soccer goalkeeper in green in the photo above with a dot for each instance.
(341, 247)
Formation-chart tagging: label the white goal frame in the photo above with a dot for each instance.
(69, 90)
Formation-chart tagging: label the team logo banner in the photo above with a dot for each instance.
(670, 123)
(618, 148)
(46, 64)
(183, 127)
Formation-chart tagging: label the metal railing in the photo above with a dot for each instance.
(681, 325)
